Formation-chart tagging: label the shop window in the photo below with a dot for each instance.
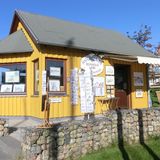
(36, 77)
(13, 78)
(56, 75)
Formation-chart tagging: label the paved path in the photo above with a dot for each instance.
(9, 148)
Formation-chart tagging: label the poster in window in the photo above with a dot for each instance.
(18, 88)
(12, 77)
(138, 79)
(110, 80)
(109, 70)
(55, 71)
(139, 93)
(98, 86)
(6, 88)
(54, 85)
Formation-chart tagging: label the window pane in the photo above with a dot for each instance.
(36, 77)
(13, 78)
(55, 72)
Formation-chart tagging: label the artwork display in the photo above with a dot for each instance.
(12, 77)
(6, 88)
(44, 82)
(54, 85)
(139, 93)
(55, 71)
(109, 70)
(86, 92)
(110, 80)
(138, 78)
(74, 86)
(19, 88)
(98, 86)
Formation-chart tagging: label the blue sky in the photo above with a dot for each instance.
(119, 15)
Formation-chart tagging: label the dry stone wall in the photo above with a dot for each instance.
(3, 128)
(71, 140)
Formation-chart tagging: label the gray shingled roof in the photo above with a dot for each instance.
(52, 31)
(15, 43)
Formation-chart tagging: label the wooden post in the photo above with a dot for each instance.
(46, 123)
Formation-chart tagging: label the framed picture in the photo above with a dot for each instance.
(55, 71)
(139, 93)
(54, 85)
(19, 88)
(12, 77)
(6, 88)
(109, 70)
(138, 78)
(110, 80)
(98, 86)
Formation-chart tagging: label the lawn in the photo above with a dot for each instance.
(150, 150)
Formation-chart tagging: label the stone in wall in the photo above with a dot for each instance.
(3, 128)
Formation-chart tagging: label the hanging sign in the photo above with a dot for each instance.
(74, 86)
(86, 92)
(92, 62)
(44, 83)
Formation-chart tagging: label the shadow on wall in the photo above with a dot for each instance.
(141, 136)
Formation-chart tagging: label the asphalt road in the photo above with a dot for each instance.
(9, 148)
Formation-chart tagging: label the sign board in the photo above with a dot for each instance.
(44, 82)
(55, 71)
(74, 86)
(92, 62)
(139, 93)
(86, 92)
(55, 100)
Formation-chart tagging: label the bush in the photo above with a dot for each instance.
(154, 98)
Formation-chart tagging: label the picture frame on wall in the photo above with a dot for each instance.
(110, 80)
(138, 78)
(109, 70)
(18, 88)
(54, 85)
(12, 77)
(6, 88)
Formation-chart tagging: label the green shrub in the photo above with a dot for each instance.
(154, 98)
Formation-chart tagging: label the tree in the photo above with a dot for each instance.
(142, 37)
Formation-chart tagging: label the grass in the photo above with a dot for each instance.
(147, 151)
(154, 98)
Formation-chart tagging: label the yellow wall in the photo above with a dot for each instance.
(30, 105)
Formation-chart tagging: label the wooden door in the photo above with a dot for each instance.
(122, 85)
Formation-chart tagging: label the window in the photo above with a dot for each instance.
(56, 75)
(36, 77)
(13, 78)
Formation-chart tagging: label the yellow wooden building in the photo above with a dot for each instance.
(64, 50)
